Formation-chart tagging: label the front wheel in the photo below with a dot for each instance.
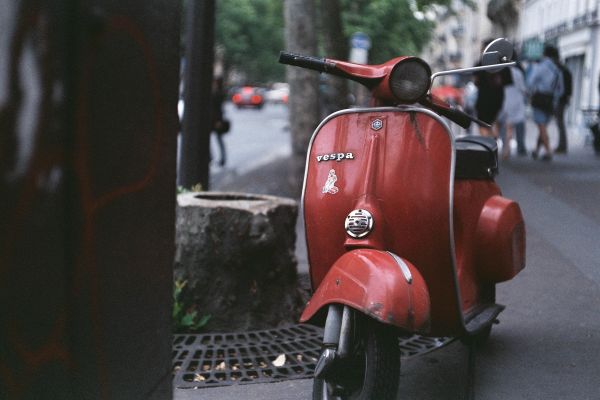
(371, 371)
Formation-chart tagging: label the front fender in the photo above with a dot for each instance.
(379, 284)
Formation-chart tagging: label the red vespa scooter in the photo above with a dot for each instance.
(407, 232)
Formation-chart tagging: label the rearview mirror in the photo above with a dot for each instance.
(496, 56)
(499, 51)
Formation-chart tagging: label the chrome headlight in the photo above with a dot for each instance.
(410, 80)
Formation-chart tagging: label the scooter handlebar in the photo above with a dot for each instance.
(309, 62)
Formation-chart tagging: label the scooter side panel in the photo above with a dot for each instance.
(490, 240)
(501, 240)
(469, 199)
(401, 170)
(402, 298)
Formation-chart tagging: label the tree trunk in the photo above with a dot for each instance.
(336, 47)
(236, 252)
(304, 84)
(198, 76)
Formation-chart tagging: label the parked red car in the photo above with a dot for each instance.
(249, 96)
(450, 94)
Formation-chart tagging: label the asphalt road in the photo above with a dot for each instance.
(257, 137)
(547, 345)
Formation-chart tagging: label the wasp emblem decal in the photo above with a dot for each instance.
(330, 184)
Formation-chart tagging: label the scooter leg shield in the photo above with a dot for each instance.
(379, 284)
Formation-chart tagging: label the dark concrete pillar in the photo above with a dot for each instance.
(88, 125)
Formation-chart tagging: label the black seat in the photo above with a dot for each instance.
(476, 158)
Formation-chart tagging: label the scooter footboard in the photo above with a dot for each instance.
(379, 284)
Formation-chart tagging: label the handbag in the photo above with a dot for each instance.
(222, 126)
(543, 101)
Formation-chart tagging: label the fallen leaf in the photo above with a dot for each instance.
(220, 367)
(279, 361)
(199, 378)
(299, 357)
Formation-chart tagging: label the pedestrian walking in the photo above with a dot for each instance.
(512, 115)
(220, 125)
(545, 83)
(490, 95)
(563, 103)
(595, 128)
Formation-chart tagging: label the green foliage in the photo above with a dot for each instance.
(182, 190)
(185, 319)
(391, 25)
(194, 189)
(251, 33)
(422, 4)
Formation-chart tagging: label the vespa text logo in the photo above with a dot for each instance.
(335, 157)
(330, 184)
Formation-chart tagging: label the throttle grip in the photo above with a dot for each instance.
(309, 62)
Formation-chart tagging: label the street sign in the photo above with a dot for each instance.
(532, 49)
(360, 43)
(360, 40)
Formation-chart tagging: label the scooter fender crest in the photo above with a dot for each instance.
(379, 284)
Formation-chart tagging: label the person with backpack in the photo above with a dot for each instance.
(546, 86)
(563, 103)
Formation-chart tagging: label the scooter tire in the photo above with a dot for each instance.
(374, 369)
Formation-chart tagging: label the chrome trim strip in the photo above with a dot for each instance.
(405, 108)
(403, 267)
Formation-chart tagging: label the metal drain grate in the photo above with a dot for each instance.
(415, 345)
(246, 357)
(209, 360)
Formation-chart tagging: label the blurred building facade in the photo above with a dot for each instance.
(461, 28)
(573, 27)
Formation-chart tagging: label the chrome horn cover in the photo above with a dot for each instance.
(359, 223)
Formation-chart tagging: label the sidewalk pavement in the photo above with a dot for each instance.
(546, 345)
(578, 137)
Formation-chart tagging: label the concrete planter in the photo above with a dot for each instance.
(236, 251)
